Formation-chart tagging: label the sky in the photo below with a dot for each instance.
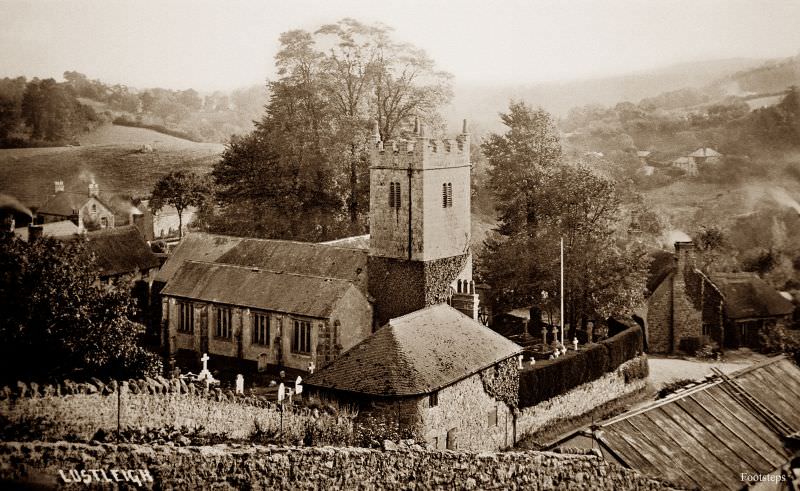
(221, 45)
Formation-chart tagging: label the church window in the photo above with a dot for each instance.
(301, 340)
(224, 324)
(447, 195)
(186, 323)
(433, 399)
(261, 329)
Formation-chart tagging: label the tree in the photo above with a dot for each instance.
(518, 159)
(56, 319)
(332, 85)
(181, 190)
(542, 200)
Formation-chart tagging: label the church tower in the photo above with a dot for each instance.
(420, 225)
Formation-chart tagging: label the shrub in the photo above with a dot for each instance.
(690, 344)
(636, 370)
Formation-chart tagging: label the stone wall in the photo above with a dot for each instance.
(237, 467)
(581, 400)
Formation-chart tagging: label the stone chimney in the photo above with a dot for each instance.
(58, 186)
(94, 189)
(464, 299)
(687, 318)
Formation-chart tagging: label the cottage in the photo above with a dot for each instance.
(85, 210)
(689, 308)
(436, 375)
(692, 163)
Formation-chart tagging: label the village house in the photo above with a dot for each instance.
(85, 210)
(688, 308)
(435, 375)
(692, 163)
(417, 255)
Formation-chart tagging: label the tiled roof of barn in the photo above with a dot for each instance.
(705, 437)
(302, 258)
(196, 246)
(747, 295)
(118, 250)
(416, 354)
(289, 293)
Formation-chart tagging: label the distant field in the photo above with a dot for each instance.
(111, 155)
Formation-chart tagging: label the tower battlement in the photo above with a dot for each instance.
(420, 152)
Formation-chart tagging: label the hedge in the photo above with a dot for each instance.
(550, 378)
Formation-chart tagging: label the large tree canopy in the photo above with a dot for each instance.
(307, 159)
(56, 319)
(181, 190)
(542, 200)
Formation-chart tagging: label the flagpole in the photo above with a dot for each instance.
(562, 291)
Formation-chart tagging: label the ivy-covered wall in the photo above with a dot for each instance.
(399, 286)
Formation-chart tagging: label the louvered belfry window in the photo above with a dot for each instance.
(394, 195)
(447, 195)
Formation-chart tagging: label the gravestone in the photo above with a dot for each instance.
(240, 384)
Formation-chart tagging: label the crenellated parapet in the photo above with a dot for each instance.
(421, 152)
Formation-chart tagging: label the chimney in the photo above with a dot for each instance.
(464, 127)
(35, 232)
(685, 255)
(58, 187)
(94, 189)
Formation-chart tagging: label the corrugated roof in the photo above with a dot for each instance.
(311, 296)
(118, 250)
(300, 257)
(747, 295)
(416, 354)
(196, 246)
(706, 437)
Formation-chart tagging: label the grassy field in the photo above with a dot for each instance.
(112, 155)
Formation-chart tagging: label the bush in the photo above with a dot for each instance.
(690, 344)
(623, 346)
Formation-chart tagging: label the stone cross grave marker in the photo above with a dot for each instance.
(311, 367)
(519, 359)
(240, 384)
(298, 386)
(575, 343)
(205, 359)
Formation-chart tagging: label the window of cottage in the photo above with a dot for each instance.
(433, 399)
(104, 222)
(94, 208)
(260, 329)
(224, 323)
(301, 339)
(186, 323)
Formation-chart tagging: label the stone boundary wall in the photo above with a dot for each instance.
(582, 399)
(256, 467)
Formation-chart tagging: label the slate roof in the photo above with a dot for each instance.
(416, 354)
(355, 242)
(311, 296)
(196, 246)
(300, 257)
(67, 203)
(118, 250)
(747, 295)
(705, 437)
(274, 255)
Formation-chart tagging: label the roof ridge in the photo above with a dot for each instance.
(256, 269)
(417, 312)
(287, 241)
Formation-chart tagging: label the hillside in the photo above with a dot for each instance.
(112, 155)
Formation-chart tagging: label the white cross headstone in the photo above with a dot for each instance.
(298, 386)
(519, 360)
(281, 392)
(205, 359)
(575, 343)
(240, 384)
(311, 367)
(533, 361)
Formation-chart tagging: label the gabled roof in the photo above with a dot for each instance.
(67, 203)
(416, 354)
(706, 437)
(196, 246)
(302, 258)
(681, 160)
(310, 296)
(705, 152)
(747, 295)
(118, 250)
(274, 255)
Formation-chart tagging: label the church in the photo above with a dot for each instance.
(275, 304)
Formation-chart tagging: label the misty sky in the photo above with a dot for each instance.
(212, 45)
